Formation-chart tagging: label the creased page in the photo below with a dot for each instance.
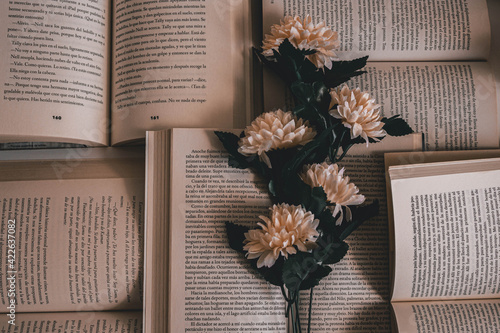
(177, 64)
(54, 71)
(71, 245)
(452, 103)
(446, 231)
(448, 316)
(74, 322)
(212, 287)
(355, 295)
(397, 30)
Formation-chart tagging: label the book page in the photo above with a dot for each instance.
(156, 245)
(54, 71)
(405, 158)
(446, 230)
(356, 293)
(494, 58)
(73, 322)
(448, 316)
(396, 30)
(179, 64)
(452, 104)
(71, 245)
(212, 287)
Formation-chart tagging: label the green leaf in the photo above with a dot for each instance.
(304, 111)
(259, 166)
(302, 190)
(294, 164)
(296, 61)
(327, 224)
(315, 277)
(342, 71)
(295, 190)
(272, 188)
(236, 236)
(317, 201)
(312, 199)
(296, 269)
(303, 91)
(359, 215)
(335, 252)
(277, 65)
(308, 72)
(286, 49)
(313, 102)
(304, 270)
(322, 97)
(396, 126)
(290, 63)
(237, 163)
(230, 142)
(272, 274)
(279, 157)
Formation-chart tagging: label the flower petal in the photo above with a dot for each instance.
(288, 229)
(304, 35)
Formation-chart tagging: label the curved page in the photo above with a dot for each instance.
(54, 71)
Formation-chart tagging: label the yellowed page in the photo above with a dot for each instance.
(356, 294)
(405, 158)
(448, 316)
(438, 156)
(494, 58)
(445, 229)
(74, 322)
(338, 297)
(211, 285)
(72, 245)
(179, 64)
(54, 71)
(156, 260)
(397, 30)
(452, 104)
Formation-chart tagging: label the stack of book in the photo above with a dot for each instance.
(94, 239)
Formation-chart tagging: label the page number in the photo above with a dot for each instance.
(155, 117)
(56, 117)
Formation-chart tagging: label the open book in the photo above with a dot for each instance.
(426, 63)
(446, 241)
(102, 72)
(71, 242)
(193, 279)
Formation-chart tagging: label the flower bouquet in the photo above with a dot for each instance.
(315, 206)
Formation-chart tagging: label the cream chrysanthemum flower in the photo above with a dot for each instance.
(337, 187)
(289, 229)
(274, 130)
(358, 112)
(304, 35)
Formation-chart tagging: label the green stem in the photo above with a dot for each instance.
(310, 311)
(336, 144)
(298, 315)
(295, 69)
(283, 292)
(292, 318)
(325, 124)
(344, 152)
